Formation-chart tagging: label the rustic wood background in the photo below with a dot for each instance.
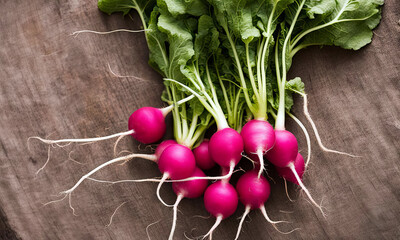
(57, 85)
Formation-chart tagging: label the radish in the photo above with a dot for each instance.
(253, 191)
(287, 173)
(202, 156)
(188, 189)
(294, 173)
(146, 124)
(226, 147)
(259, 138)
(284, 155)
(285, 150)
(220, 200)
(176, 162)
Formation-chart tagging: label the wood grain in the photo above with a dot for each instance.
(57, 85)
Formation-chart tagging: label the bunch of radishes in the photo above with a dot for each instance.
(226, 62)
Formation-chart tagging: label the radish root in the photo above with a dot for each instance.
(87, 176)
(116, 144)
(165, 176)
(286, 190)
(178, 199)
(148, 226)
(216, 224)
(82, 140)
(308, 116)
(47, 161)
(246, 211)
(121, 76)
(291, 166)
(76, 33)
(261, 159)
(306, 135)
(264, 212)
(115, 211)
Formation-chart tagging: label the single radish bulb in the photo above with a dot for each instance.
(226, 147)
(202, 156)
(177, 161)
(287, 174)
(192, 188)
(148, 124)
(285, 149)
(252, 190)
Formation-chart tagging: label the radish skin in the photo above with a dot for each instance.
(203, 156)
(188, 189)
(258, 138)
(220, 200)
(287, 173)
(285, 149)
(226, 147)
(253, 192)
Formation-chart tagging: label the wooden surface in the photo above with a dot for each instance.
(55, 85)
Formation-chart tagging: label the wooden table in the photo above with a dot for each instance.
(57, 85)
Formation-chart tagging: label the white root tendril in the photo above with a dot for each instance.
(286, 190)
(246, 211)
(123, 76)
(191, 232)
(47, 161)
(261, 159)
(148, 226)
(158, 180)
(216, 224)
(264, 212)
(188, 238)
(291, 166)
(223, 177)
(115, 211)
(86, 176)
(81, 140)
(116, 144)
(178, 199)
(306, 135)
(165, 176)
(76, 33)
(308, 116)
(73, 160)
(248, 158)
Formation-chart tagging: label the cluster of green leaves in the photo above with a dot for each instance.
(234, 55)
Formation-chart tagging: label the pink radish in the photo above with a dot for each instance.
(259, 138)
(202, 156)
(220, 200)
(253, 191)
(188, 189)
(176, 162)
(284, 155)
(285, 149)
(287, 173)
(146, 124)
(162, 146)
(226, 147)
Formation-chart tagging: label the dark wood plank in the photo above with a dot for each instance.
(55, 84)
